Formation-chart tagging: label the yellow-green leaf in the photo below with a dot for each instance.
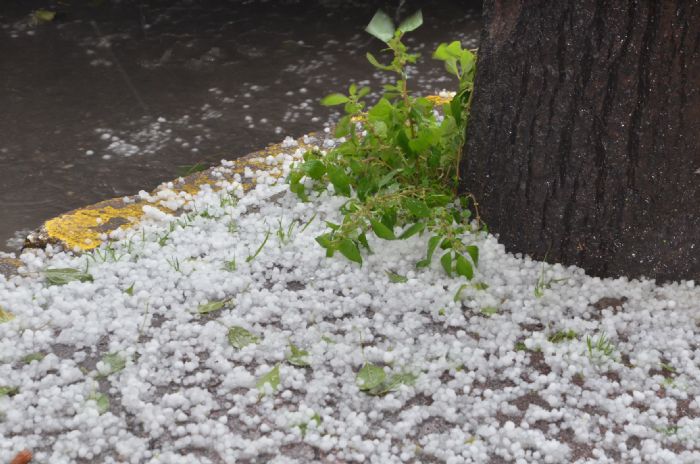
(370, 376)
(238, 337)
(5, 316)
(272, 377)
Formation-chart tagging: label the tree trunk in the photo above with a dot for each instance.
(584, 138)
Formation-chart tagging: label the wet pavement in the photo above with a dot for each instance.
(110, 98)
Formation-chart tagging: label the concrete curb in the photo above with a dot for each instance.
(83, 229)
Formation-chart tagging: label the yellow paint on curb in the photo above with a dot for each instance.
(82, 228)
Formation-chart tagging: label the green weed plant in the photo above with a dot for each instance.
(398, 163)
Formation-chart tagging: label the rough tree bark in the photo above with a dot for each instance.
(584, 140)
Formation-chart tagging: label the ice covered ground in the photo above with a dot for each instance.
(179, 350)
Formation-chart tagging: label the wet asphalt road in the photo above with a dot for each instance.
(110, 98)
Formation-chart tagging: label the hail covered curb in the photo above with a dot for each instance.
(85, 228)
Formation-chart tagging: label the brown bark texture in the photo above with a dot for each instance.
(584, 139)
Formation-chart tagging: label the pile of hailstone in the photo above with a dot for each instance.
(224, 334)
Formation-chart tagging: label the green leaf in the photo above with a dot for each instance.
(413, 230)
(61, 276)
(45, 16)
(373, 61)
(250, 258)
(473, 251)
(403, 141)
(130, 291)
(101, 400)
(441, 52)
(5, 316)
(272, 377)
(344, 127)
(349, 249)
(417, 207)
(481, 286)
(28, 359)
(464, 268)
(382, 111)
(115, 363)
(489, 310)
(381, 230)
(212, 306)
(381, 26)
(238, 337)
(340, 180)
(8, 391)
(458, 295)
(324, 240)
(396, 278)
(411, 23)
(314, 169)
(370, 376)
(297, 356)
(185, 170)
(334, 99)
(432, 245)
(386, 179)
(394, 382)
(362, 239)
(446, 262)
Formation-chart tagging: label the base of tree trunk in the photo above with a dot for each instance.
(584, 139)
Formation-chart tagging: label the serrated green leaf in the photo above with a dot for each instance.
(297, 356)
(334, 99)
(5, 316)
(446, 261)
(8, 391)
(348, 249)
(381, 230)
(411, 23)
(272, 377)
(28, 359)
(370, 376)
(238, 337)
(62, 276)
(464, 268)
(381, 26)
(396, 278)
(102, 402)
(212, 306)
(412, 230)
